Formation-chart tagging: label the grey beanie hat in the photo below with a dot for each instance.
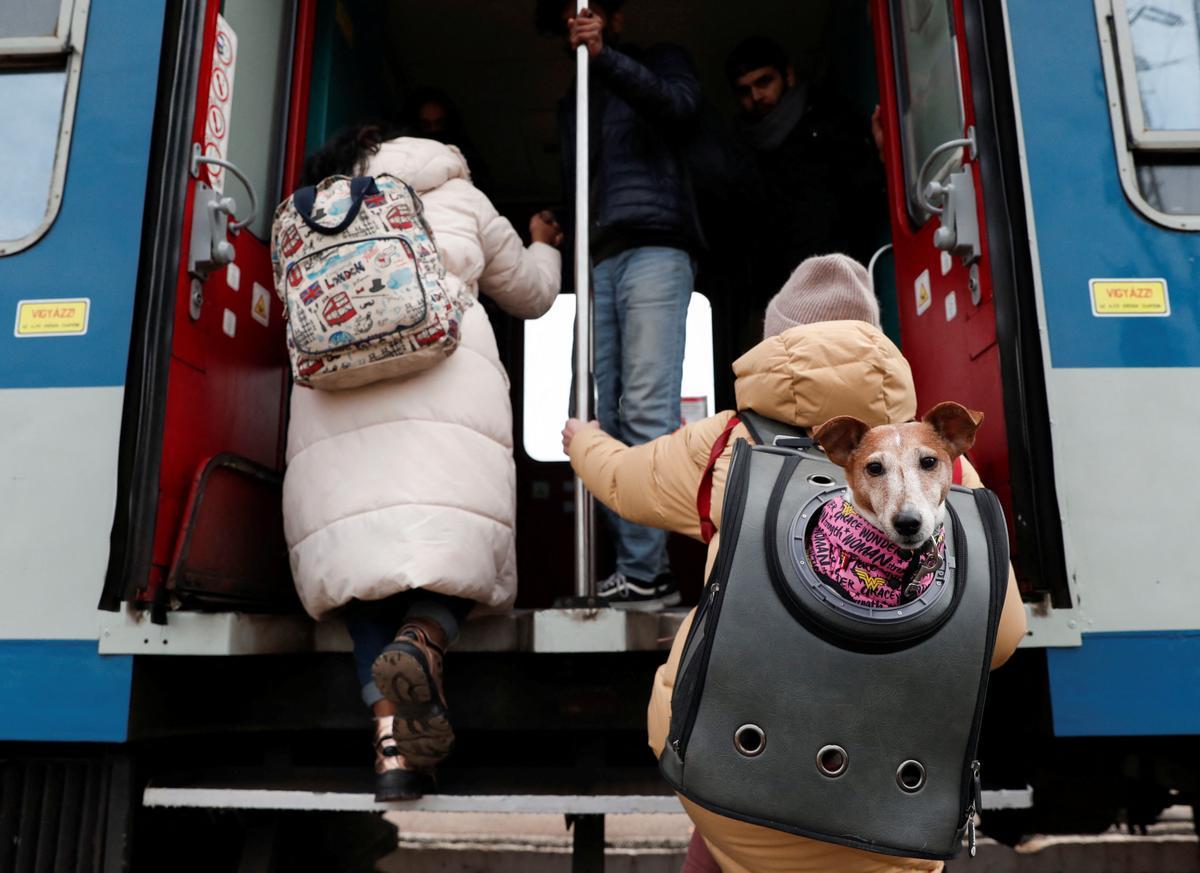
(823, 288)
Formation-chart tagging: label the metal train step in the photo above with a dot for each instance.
(131, 632)
(500, 791)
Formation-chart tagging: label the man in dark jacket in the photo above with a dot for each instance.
(823, 180)
(644, 235)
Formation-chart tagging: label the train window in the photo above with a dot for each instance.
(1152, 62)
(32, 103)
(34, 25)
(260, 96)
(547, 388)
(41, 49)
(931, 108)
(1162, 96)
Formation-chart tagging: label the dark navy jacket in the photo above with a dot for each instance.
(644, 105)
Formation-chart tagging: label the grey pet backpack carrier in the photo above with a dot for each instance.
(797, 709)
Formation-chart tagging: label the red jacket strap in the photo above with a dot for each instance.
(704, 493)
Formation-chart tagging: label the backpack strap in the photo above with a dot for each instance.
(305, 199)
(765, 431)
(704, 493)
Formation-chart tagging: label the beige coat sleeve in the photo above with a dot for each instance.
(655, 483)
(523, 281)
(1012, 617)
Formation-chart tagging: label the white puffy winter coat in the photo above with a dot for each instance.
(410, 483)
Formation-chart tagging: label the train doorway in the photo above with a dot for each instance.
(504, 81)
(218, 384)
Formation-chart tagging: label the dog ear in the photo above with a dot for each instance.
(840, 436)
(955, 424)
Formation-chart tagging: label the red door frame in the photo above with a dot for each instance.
(952, 359)
(186, 452)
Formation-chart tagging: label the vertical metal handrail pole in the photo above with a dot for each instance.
(584, 574)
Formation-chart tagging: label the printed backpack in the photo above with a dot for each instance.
(363, 285)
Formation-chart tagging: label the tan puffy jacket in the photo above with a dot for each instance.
(805, 376)
(410, 483)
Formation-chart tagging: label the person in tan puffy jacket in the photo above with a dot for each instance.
(823, 356)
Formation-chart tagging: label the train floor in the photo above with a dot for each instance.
(434, 843)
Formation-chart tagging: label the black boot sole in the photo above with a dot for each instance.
(396, 785)
(420, 727)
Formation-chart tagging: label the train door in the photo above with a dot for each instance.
(204, 445)
(963, 282)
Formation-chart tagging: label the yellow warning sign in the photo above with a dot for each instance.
(1129, 297)
(260, 307)
(921, 290)
(65, 317)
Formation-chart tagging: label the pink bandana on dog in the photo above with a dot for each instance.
(854, 556)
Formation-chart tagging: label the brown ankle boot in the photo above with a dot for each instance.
(395, 777)
(409, 674)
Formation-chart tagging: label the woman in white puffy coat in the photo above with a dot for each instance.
(400, 496)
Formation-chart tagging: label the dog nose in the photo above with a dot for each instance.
(906, 523)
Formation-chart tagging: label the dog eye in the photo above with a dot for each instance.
(875, 468)
(928, 463)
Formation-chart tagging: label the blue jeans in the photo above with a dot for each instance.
(373, 624)
(640, 302)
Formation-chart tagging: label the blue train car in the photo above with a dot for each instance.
(80, 94)
(1043, 174)
(1058, 297)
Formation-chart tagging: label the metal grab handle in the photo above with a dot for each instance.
(923, 194)
(585, 583)
(874, 260)
(199, 158)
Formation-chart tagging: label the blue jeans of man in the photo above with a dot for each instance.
(640, 301)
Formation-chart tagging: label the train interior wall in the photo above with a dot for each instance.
(506, 80)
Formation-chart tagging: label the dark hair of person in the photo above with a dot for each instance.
(547, 16)
(345, 151)
(755, 52)
(455, 131)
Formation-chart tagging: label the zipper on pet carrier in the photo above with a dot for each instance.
(731, 520)
(703, 654)
(976, 803)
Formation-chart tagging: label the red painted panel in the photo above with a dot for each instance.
(227, 387)
(955, 358)
(219, 562)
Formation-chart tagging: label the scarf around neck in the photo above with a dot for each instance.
(864, 566)
(768, 133)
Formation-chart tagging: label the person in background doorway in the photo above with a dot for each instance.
(400, 496)
(823, 182)
(431, 114)
(644, 235)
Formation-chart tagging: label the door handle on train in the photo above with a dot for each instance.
(953, 201)
(211, 213)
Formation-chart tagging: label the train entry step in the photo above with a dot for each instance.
(500, 790)
(131, 632)
(528, 790)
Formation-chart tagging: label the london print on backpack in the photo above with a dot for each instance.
(362, 282)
